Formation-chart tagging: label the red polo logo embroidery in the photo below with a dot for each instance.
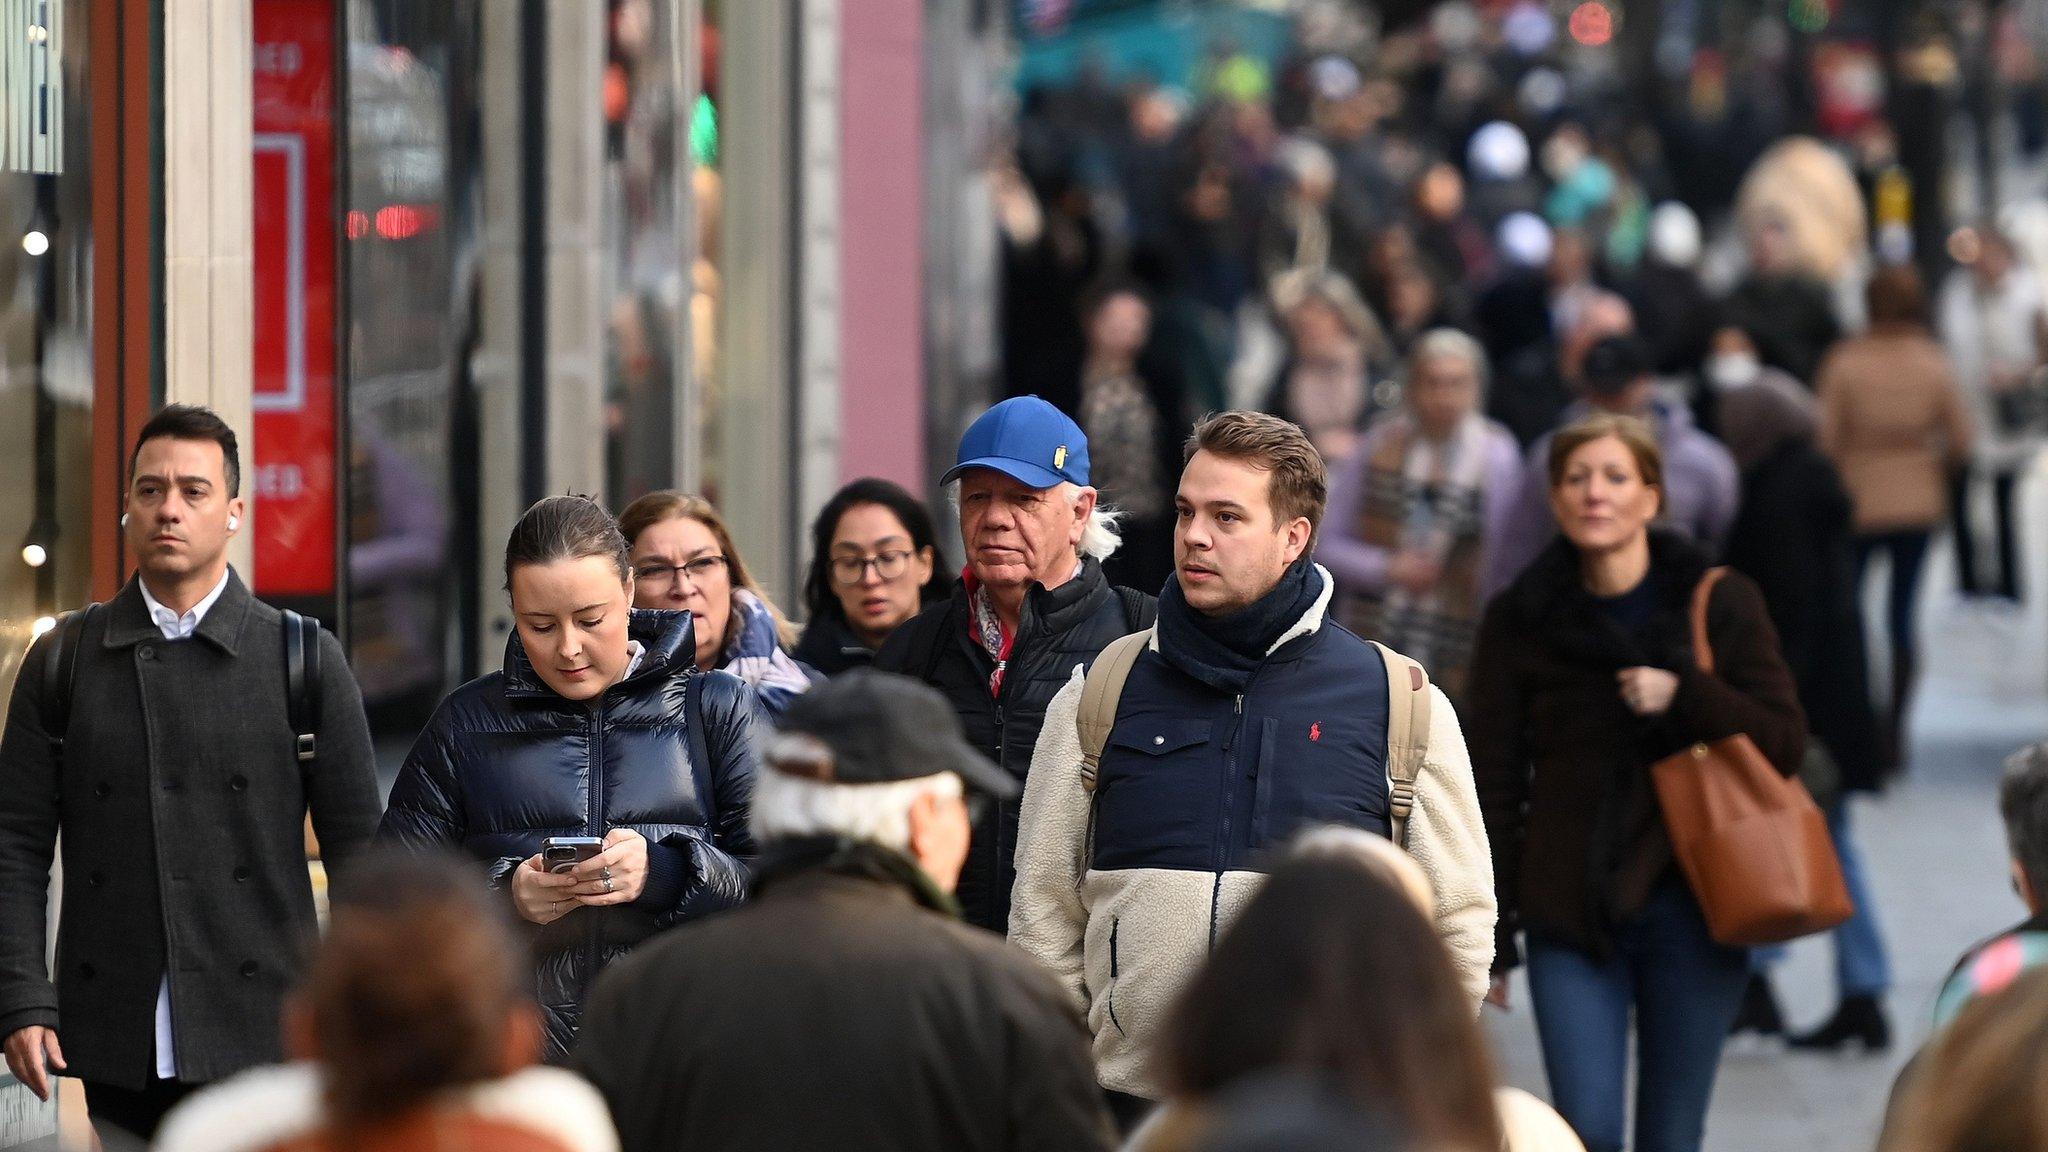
(1315, 732)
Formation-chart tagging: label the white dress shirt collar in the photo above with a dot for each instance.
(174, 626)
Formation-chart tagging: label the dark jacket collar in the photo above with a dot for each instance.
(129, 624)
(1550, 598)
(829, 645)
(1052, 611)
(799, 861)
(666, 637)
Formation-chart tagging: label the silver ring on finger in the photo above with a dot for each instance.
(605, 875)
(608, 885)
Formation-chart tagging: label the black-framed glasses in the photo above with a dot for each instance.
(887, 565)
(696, 571)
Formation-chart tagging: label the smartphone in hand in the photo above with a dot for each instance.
(559, 854)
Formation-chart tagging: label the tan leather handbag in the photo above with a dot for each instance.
(1750, 840)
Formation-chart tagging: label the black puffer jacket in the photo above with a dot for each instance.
(1060, 628)
(506, 763)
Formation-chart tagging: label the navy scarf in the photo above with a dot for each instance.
(1224, 651)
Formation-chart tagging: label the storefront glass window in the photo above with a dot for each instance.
(46, 380)
(406, 212)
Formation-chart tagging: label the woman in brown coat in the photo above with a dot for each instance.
(1583, 677)
(1894, 421)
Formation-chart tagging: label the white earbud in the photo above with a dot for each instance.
(124, 519)
(234, 522)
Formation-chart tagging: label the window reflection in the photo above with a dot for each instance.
(46, 382)
(406, 219)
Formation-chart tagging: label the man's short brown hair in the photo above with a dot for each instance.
(1299, 484)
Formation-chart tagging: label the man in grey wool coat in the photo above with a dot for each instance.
(177, 784)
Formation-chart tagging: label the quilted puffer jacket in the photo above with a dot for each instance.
(506, 763)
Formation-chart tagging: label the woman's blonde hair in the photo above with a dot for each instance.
(668, 504)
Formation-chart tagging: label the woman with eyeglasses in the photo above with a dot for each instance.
(684, 559)
(874, 564)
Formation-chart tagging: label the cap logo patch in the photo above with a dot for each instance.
(1059, 457)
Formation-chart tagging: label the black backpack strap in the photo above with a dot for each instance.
(1140, 610)
(302, 682)
(60, 676)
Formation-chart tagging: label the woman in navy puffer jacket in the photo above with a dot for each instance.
(600, 726)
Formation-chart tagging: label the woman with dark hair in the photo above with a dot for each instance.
(1895, 423)
(600, 726)
(1584, 676)
(1333, 971)
(683, 559)
(874, 565)
(412, 1031)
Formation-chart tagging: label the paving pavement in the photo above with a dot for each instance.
(1935, 852)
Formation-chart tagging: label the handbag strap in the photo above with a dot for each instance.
(1702, 646)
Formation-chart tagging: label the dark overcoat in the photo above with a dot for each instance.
(182, 806)
(1562, 765)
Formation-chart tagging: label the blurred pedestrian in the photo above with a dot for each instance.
(1583, 677)
(1326, 384)
(684, 559)
(1994, 326)
(1535, 386)
(600, 726)
(1978, 1084)
(1788, 309)
(1989, 967)
(874, 564)
(1793, 537)
(1301, 234)
(1894, 422)
(845, 1007)
(1032, 604)
(1335, 973)
(2023, 809)
(413, 1032)
(1133, 424)
(1414, 512)
(1120, 887)
(153, 738)
(1701, 488)
(1667, 295)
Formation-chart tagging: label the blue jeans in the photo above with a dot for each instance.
(1862, 967)
(1684, 989)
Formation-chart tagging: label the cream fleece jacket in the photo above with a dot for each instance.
(1152, 928)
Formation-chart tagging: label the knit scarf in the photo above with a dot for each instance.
(1224, 651)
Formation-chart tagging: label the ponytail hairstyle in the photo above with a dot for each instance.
(414, 991)
(566, 528)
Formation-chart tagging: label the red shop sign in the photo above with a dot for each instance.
(293, 172)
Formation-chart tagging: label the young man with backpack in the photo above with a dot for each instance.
(1032, 604)
(1167, 773)
(177, 736)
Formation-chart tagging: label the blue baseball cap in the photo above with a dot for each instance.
(1028, 440)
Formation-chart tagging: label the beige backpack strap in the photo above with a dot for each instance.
(1100, 693)
(1408, 702)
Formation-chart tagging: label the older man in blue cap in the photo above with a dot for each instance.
(1032, 606)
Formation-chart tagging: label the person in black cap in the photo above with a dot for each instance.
(845, 1006)
(1702, 487)
(1032, 606)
